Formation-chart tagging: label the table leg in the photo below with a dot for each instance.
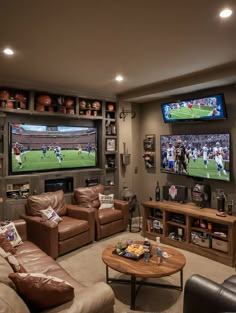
(107, 274)
(133, 292)
(181, 280)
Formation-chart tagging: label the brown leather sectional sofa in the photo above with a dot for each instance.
(94, 299)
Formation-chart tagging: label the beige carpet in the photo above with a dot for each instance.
(86, 266)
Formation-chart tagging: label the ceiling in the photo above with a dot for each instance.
(161, 47)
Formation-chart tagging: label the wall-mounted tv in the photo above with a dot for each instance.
(44, 148)
(200, 156)
(197, 109)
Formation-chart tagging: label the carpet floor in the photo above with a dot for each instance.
(86, 265)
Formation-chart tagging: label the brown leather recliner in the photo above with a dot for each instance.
(76, 229)
(108, 221)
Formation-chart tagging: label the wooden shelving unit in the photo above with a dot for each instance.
(29, 106)
(219, 236)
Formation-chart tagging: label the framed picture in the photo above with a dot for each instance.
(110, 145)
(149, 151)
(149, 143)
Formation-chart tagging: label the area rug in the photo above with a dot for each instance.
(86, 265)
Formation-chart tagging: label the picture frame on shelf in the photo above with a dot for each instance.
(110, 145)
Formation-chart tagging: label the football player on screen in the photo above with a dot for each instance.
(218, 153)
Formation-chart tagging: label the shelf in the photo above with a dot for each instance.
(176, 224)
(155, 218)
(112, 120)
(21, 111)
(110, 168)
(217, 248)
(209, 250)
(13, 100)
(18, 200)
(18, 190)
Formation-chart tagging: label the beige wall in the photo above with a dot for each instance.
(149, 121)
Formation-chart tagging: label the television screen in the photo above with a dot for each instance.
(40, 148)
(207, 108)
(202, 156)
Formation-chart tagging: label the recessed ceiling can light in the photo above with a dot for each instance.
(226, 13)
(8, 51)
(119, 78)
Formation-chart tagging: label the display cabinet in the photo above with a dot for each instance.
(90, 107)
(46, 102)
(37, 107)
(15, 99)
(189, 227)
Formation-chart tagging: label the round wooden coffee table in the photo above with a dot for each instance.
(141, 269)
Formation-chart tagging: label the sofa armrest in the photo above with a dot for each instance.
(82, 213)
(124, 207)
(211, 296)
(42, 233)
(95, 299)
(21, 227)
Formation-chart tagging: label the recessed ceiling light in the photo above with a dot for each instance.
(119, 78)
(8, 51)
(226, 13)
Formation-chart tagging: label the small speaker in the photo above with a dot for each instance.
(175, 193)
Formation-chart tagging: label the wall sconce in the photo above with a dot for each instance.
(125, 157)
(124, 113)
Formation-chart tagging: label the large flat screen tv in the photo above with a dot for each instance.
(197, 109)
(42, 148)
(199, 156)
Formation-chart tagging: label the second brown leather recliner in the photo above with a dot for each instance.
(109, 220)
(76, 229)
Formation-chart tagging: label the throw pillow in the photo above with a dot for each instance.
(50, 214)
(16, 266)
(6, 245)
(42, 291)
(106, 201)
(10, 232)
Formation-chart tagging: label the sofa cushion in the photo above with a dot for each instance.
(56, 200)
(16, 266)
(88, 196)
(42, 291)
(6, 245)
(70, 227)
(5, 270)
(10, 232)
(50, 214)
(10, 301)
(107, 216)
(106, 201)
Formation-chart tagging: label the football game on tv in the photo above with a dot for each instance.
(207, 108)
(202, 156)
(40, 148)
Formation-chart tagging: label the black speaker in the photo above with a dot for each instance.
(175, 193)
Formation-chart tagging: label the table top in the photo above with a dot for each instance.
(173, 264)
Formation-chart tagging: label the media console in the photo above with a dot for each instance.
(191, 228)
